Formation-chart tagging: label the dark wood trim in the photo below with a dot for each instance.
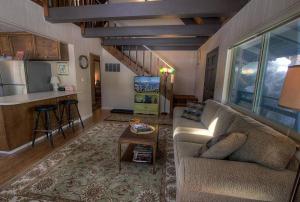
(139, 31)
(193, 41)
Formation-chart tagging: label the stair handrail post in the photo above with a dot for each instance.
(129, 56)
(143, 62)
(122, 50)
(136, 55)
(150, 62)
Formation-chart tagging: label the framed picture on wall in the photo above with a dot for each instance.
(62, 68)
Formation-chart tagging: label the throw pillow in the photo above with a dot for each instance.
(192, 114)
(211, 142)
(225, 146)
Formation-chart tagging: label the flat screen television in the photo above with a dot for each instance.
(143, 84)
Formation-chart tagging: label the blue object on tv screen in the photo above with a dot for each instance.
(146, 84)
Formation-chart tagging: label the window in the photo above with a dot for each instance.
(259, 68)
(245, 68)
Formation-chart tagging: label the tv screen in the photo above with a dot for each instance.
(146, 84)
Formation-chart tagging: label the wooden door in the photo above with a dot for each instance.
(210, 74)
(95, 81)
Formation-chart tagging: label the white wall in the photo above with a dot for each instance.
(185, 63)
(28, 16)
(117, 87)
(256, 16)
(70, 79)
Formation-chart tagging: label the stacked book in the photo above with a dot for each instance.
(141, 128)
(142, 154)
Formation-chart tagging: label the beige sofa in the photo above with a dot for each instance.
(200, 179)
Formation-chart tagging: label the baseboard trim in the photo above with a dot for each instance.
(39, 139)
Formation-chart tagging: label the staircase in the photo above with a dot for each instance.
(127, 61)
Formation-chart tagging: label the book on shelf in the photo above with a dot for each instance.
(142, 154)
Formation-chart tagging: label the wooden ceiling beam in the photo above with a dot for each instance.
(144, 10)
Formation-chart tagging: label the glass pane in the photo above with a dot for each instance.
(283, 50)
(245, 67)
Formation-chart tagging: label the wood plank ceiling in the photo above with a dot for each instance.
(195, 20)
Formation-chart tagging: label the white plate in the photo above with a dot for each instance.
(144, 133)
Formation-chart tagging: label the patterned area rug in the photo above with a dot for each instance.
(161, 120)
(86, 170)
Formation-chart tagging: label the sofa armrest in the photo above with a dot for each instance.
(231, 179)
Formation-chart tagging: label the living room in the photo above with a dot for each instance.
(126, 100)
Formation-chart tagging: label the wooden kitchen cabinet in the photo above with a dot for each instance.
(64, 52)
(34, 47)
(46, 49)
(5, 46)
(23, 42)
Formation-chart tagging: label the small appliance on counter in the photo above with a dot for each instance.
(61, 88)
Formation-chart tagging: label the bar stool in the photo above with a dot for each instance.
(67, 106)
(48, 129)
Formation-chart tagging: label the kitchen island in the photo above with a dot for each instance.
(17, 116)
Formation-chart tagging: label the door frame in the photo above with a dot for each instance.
(94, 58)
(215, 51)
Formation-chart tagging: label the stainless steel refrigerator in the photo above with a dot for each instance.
(22, 77)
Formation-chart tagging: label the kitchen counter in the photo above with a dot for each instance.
(21, 99)
(17, 117)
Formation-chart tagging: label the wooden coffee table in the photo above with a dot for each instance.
(133, 139)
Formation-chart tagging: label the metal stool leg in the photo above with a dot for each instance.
(37, 118)
(62, 115)
(60, 129)
(49, 132)
(69, 115)
(79, 115)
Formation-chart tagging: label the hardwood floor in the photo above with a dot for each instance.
(12, 165)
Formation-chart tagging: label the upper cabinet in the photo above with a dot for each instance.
(23, 42)
(46, 49)
(64, 52)
(5, 45)
(34, 47)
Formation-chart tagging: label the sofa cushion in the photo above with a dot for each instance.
(225, 147)
(264, 145)
(186, 149)
(221, 121)
(201, 177)
(188, 134)
(178, 112)
(182, 122)
(209, 111)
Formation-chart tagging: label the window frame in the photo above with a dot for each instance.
(254, 112)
